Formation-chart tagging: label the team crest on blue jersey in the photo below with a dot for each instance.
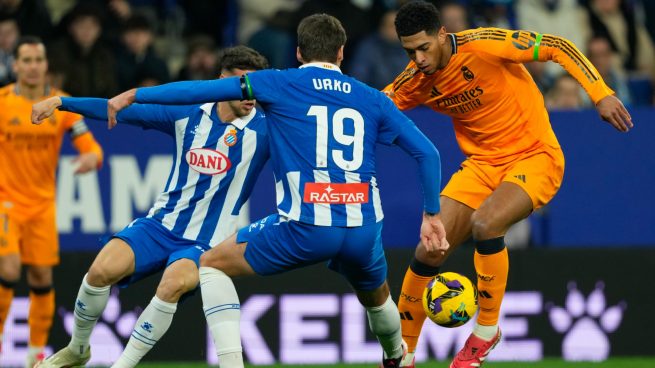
(230, 138)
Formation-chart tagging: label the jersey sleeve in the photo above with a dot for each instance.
(265, 85)
(393, 122)
(194, 92)
(526, 46)
(159, 117)
(404, 91)
(86, 143)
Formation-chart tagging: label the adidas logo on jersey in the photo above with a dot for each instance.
(208, 161)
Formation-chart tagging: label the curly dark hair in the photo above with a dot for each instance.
(241, 57)
(320, 36)
(417, 16)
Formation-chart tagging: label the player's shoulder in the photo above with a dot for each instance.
(470, 36)
(7, 90)
(258, 121)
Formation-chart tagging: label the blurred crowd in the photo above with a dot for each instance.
(102, 47)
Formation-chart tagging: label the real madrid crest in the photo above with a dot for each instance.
(230, 138)
(467, 73)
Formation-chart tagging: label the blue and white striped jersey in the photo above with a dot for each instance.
(214, 170)
(323, 127)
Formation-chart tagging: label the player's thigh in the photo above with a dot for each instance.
(507, 205)
(361, 259)
(115, 262)
(10, 232)
(39, 241)
(275, 245)
(539, 175)
(229, 257)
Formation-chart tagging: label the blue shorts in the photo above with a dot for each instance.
(276, 246)
(155, 247)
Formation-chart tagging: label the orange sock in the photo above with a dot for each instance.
(410, 306)
(42, 311)
(492, 266)
(6, 296)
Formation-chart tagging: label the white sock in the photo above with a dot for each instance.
(150, 327)
(485, 332)
(222, 311)
(90, 303)
(384, 322)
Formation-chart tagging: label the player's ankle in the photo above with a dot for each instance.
(485, 332)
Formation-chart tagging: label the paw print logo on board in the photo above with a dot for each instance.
(586, 323)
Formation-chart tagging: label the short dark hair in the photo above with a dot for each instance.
(417, 16)
(26, 40)
(137, 22)
(320, 36)
(241, 57)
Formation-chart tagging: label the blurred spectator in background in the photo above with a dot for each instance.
(566, 94)
(615, 21)
(606, 61)
(216, 18)
(493, 13)
(379, 57)
(454, 16)
(31, 15)
(79, 62)
(564, 18)
(9, 34)
(201, 59)
(138, 64)
(269, 29)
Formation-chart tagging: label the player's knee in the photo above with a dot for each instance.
(8, 283)
(482, 226)
(101, 275)
(171, 289)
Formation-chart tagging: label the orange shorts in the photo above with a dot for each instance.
(35, 239)
(538, 172)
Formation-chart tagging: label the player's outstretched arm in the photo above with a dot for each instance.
(44, 109)
(182, 93)
(611, 110)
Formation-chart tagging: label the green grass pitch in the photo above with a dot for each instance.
(637, 362)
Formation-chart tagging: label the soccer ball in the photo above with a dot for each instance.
(450, 299)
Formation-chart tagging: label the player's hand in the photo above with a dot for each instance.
(433, 234)
(85, 162)
(118, 103)
(44, 109)
(611, 110)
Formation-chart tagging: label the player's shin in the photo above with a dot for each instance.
(6, 296)
(90, 303)
(384, 322)
(41, 313)
(412, 315)
(492, 266)
(150, 327)
(222, 310)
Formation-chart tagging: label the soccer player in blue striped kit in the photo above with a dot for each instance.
(220, 150)
(323, 127)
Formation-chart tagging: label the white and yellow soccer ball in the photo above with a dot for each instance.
(450, 299)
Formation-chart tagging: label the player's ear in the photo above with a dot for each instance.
(299, 56)
(340, 56)
(442, 35)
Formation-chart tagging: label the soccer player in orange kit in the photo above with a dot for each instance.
(28, 162)
(514, 163)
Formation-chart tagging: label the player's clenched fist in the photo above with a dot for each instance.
(44, 109)
(118, 103)
(433, 234)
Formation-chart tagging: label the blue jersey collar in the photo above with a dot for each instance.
(323, 65)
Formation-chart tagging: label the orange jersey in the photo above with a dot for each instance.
(29, 153)
(497, 109)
